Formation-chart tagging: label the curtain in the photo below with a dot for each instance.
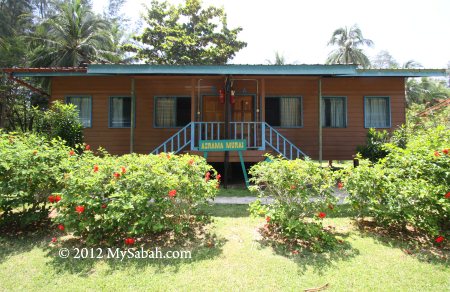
(165, 112)
(333, 112)
(290, 112)
(83, 104)
(377, 112)
(120, 112)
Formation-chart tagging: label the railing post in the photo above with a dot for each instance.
(263, 136)
(192, 135)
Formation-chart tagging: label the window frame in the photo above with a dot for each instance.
(300, 97)
(345, 111)
(389, 109)
(110, 108)
(67, 98)
(176, 112)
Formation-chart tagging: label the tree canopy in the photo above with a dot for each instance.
(384, 60)
(75, 36)
(349, 42)
(186, 34)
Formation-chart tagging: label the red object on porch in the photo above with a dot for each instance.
(221, 96)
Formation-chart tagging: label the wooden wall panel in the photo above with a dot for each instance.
(338, 144)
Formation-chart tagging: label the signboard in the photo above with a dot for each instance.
(222, 145)
(226, 145)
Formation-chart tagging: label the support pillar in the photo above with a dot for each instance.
(133, 114)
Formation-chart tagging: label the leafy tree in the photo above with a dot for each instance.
(348, 51)
(384, 60)
(186, 34)
(75, 36)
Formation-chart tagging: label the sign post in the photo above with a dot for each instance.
(226, 145)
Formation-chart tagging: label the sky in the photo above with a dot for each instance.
(300, 30)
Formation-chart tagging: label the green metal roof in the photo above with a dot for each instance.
(222, 69)
(400, 72)
(267, 70)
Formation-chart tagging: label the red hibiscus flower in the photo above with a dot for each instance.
(103, 206)
(123, 169)
(88, 147)
(129, 241)
(51, 199)
(116, 175)
(57, 198)
(218, 177)
(61, 227)
(447, 195)
(191, 162)
(340, 185)
(54, 239)
(436, 153)
(207, 176)
(95, 168)
(71, 152)
(445, 151)
(321, 215)
(172, 193)
(268, 219)
(439, 239)
(79, 209)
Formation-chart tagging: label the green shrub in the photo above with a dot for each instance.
(408, 186)
(109, 199)
(30, 168)
(302, 193)
(61, 120)
(374, 148)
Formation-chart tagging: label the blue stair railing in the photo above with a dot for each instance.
(177, 141)
(258, 135)
(280, 144)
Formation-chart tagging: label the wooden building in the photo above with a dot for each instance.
(322, 111)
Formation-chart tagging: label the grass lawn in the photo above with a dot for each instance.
(236, 192)
(238, 261)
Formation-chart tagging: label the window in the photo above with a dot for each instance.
(334, 112)
(84, 106)
(120, 112)
(377, 112)
(172, 111)
(284, 111)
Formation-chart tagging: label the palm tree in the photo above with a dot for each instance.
(75, 36)
(411, 64)
(348, 51)
(279, 59)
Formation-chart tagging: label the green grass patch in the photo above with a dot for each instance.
(236, 260)
(235, 193)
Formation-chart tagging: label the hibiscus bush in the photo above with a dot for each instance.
(109, 199)
(303, 195)
(409, 187)
(30, 168)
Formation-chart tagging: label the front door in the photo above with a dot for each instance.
(243, 124)
(243, 109)
(213, 110)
